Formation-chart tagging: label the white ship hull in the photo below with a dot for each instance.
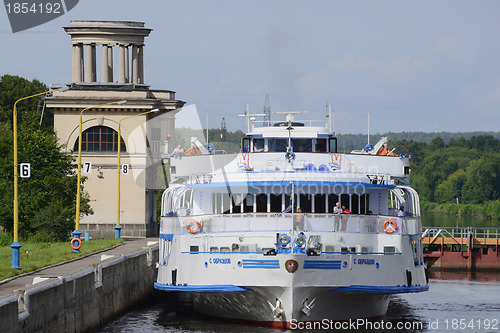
(253, 307)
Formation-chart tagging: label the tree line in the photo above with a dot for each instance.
(461, 175)
(47, 198)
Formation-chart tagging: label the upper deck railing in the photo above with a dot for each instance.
(279, 222)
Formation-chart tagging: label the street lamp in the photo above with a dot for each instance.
(77, 232)
(118, 227)
(16, 245)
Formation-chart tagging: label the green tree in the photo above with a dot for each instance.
(451, 189)
(13, 88)
(47, 198)
(483, 179)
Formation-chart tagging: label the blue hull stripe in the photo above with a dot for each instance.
(199, 288)
(247, 263)
(322, 264)
(383, 289)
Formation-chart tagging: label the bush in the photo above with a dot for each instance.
(5, 239)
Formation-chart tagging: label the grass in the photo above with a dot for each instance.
(42, 254)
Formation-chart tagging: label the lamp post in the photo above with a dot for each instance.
(16, 245)
(118, 227)
(77, 232)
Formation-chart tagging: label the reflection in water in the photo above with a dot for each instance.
(471, 276)
(440, 220)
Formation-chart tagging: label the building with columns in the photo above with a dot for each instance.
(143, 137)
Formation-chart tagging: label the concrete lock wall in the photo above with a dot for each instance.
(83, 301)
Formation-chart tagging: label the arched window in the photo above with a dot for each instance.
(100, 139)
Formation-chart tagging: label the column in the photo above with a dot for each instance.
(94, 63)
(135, 64)
(88, 63)
(140, 55)
(121, 64)
(110, 63)
(104, 64)
(82, 65)
(127, 65)
(76, 74)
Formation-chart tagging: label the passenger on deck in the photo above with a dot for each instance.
(345, 210)
(299, 220)
(401, 211)
(178, 152)
(337, 209)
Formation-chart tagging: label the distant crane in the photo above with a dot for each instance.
(267, 112)
(223, 130)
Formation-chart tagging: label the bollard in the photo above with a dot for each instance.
(86, 236)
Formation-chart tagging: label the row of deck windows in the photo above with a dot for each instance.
(223, 203)
(298, 145)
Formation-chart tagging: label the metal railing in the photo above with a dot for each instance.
(461, 232)
(279, 222)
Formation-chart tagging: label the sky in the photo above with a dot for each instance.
(411, 65)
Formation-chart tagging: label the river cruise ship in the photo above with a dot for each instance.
(290, 230)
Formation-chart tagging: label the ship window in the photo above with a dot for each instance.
(277, 144)
(248, 204)
(332, 201)
(276, 203)
(354, 204)
(320, 146)
(333, 145)
(344, 201)
(258, 145)
(236, 203)
(367, 203)
(319, 203)
(262, 203)
(225, 203)
(302, 145)
(245, 145)
(100, 139)
(362, 204)
(305, 202)
(288, 203)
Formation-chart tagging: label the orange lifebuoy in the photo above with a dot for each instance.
(392, 223)
(193, 226)
(73, 243)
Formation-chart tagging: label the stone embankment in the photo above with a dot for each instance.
(82, 295)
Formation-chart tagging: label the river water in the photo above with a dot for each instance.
(455, 302)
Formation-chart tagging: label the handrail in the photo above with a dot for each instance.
(461, 232)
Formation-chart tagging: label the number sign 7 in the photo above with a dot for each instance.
(87, 167)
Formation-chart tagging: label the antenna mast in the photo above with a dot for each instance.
(267, 112)
(368, 127)
(223, 130)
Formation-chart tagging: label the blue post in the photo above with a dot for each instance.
(118, 230)
(15, 255)
(77, 234)
(87, 236)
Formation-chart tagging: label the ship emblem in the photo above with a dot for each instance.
(291, 266)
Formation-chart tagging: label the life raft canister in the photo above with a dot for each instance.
(193, 226)
(390, 226)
